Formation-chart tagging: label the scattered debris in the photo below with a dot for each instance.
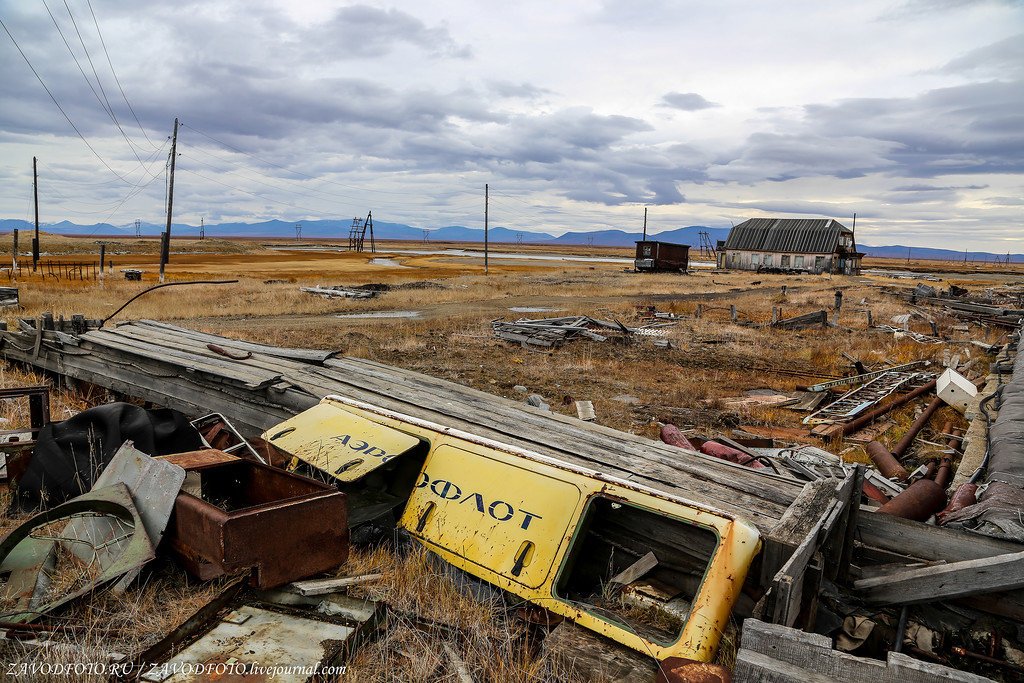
(801, 322)
(339, 291)
(9, 297)
(553, 332)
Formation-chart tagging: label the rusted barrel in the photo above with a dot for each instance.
(919, 501)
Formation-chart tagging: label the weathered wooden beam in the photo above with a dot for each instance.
(953, 580)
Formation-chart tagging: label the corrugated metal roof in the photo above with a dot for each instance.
(808, 235)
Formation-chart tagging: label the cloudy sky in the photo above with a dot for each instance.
(578, 114)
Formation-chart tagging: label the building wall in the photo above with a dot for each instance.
(736, 259)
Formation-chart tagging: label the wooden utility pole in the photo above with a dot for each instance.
(14, 255)
(103, 256)
(165, 249)
(487, 202)
(35, 194)
(645, 224)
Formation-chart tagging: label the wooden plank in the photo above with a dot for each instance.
(792, 530)
(953, 580)
(333, 585)
(571, 652)
(636, 570)
(925, 541)
(218, 366)
(814, 654)
(306, 355)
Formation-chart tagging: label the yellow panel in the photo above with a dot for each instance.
(500, 516)
(338, 442)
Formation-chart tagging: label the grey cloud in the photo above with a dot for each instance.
(909, 9)
(365, 31)
(510, 90)
(972, 128)
(999, 60)
(770, 156)
(687, 101)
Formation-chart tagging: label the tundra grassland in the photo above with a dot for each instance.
(634, 384)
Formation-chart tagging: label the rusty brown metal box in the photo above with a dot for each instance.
(246, 514)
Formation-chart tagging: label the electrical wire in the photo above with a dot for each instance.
(116, 79)
(52, 97)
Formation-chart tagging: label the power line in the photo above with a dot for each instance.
(48, 92)
(116, 79)
(95, 73)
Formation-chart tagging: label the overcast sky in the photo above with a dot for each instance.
(578, 114)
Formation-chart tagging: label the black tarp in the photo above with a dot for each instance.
(69, 455)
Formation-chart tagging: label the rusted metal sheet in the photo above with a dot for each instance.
(251, 515)
(262, 637)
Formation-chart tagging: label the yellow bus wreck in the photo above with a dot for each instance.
(652, 571)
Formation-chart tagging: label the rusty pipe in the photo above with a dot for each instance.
(729, 453)
(851, 427)
(945, 474)
(965, 496)
(888, 465)
(916, 427)
(671, 435)
(919, 501)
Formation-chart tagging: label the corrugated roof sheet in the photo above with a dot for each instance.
(808, 235)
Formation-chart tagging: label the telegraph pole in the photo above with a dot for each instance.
(645, 224)
(165, 250)
(35, 194)
(487, 201)
(14, 255)
(202, 227)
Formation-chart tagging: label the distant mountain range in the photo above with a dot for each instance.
(457, 233)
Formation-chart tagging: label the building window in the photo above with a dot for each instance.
(798, 261)
(768, 259)
(819, 262)
(755, 259)
(784, 262)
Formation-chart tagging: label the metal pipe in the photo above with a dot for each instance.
(919, 501)
(916, 427)
(863, 420)
(945, 473)
(889, 466)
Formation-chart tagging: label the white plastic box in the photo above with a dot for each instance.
(955, 389)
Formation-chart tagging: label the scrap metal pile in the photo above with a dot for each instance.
(650, 554)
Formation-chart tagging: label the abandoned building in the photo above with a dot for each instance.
(653, 256)
(816, 245)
